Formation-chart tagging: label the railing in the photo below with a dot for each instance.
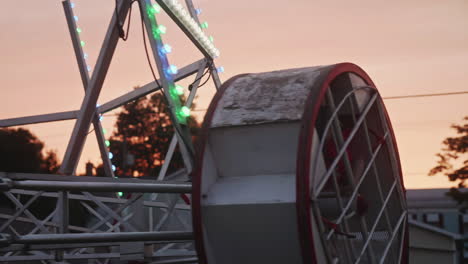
(111, 227)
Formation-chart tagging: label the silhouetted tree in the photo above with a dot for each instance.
(142, 135)
(21, 151)
(453, 161)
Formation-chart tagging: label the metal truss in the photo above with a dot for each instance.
(152, 222)
(114, 228)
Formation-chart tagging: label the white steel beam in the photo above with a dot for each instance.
(149, 88)
(160, 187)
(104, 237)
(27, 120)
(79, 54)
(88, 107)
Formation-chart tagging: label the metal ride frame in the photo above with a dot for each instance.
(53, 239)
(360, 247)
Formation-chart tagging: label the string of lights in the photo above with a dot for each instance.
(182, 112)
(88, 68)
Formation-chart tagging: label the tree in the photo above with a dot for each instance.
(453, 161)
(142, 135)
(22, 151)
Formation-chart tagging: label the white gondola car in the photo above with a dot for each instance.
(299, 166)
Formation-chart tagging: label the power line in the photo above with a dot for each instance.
(423, 95)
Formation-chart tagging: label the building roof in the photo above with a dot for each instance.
(430, 198)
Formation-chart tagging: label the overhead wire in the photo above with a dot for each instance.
(122, 34)
(423, 95)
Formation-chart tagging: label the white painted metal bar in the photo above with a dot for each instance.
(341, 147)
(45, 222)
(20, 211)
(20, 247)
(182, 131)
(170, 210)
(345, 144)
(174, 141)
(117, 211)
(160, 187)
(36, 221)
(349, 246)
(188, 103)
(196, 83)
(88, 107)
(103, 237)
(45, 257)
(370, 151)
(350, 250)
(212, 66)
(148, 88)
(176, 261)
(79, 54)
(215, 76)
(62, 218)
(377, 219)
(319, 220)
(396, 229)
(111, 213)
(111, 105)
(35, 119)
(356, 188)
(192, 11)
(96, 214)
(55, 177)
(328, 127)
(393, 158)
(103, 199)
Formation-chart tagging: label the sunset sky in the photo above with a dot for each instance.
(407, 47)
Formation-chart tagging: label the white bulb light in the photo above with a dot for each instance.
(179, 11)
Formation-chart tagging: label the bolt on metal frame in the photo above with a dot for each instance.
(354, 252)
(40, 241)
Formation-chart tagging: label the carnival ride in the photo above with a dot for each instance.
(293, 166)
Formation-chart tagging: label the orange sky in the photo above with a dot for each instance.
(407, 48)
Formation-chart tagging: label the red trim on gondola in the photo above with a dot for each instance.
(309, 118)
(185, 198)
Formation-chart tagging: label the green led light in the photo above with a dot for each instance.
(161, 29)
(104, 131)
(82, 43)
(156, 8)
(181, 118)
(150, 10)
(155, 32)
(120, 193)
(107, 143)
(179, 90)
(211, 38)
(173, 94)
(204, 25)
(185, 111)
(78, 30)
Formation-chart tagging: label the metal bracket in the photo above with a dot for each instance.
(5, 240)
(5, 184)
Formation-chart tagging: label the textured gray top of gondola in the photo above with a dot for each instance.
(258, 98)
